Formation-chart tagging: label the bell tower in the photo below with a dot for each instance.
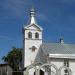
(32, 38)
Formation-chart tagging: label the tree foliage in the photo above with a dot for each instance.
(14, 58)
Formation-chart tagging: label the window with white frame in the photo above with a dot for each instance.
(36, 35)
(29, 35)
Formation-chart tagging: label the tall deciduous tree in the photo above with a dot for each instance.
(14, 58)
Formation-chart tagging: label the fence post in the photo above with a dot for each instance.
(1, 71)
(37, 72)
(7, 72)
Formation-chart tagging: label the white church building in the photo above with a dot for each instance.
(60, 56)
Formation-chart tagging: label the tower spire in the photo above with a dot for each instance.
(32, 16)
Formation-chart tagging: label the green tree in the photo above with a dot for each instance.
(14, 58)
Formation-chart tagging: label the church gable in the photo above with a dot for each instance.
(33, 27)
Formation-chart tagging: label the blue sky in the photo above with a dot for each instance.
(57, 17)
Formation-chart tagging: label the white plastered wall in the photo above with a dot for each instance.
(72, 66)
(29, 55)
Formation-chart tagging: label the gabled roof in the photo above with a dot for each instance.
(55, 50)
(3, 64)
(32, 21)
(35, 25)
(58, 48)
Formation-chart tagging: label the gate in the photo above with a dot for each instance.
(46, 68)
(69, 70)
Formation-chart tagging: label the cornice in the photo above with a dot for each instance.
(32, 39)
(69, 56)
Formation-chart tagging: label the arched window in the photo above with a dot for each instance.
(29, 35)
(36, 35)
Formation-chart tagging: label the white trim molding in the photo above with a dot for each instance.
(69, 56)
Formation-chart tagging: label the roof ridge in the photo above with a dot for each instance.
(57, 43)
